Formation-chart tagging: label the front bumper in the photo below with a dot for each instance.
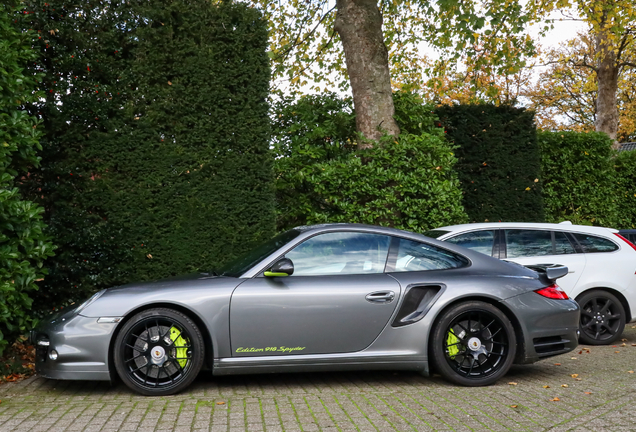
(81, 345)
(549, 327)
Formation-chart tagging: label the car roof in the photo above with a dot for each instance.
(544, 226)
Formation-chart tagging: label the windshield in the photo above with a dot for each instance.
(243, 263)
(435, 233)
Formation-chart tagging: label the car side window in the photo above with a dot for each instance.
(526, 243)
(340, 253)
(479, 241)
(416, 256)
(562, 245)
(591, 243)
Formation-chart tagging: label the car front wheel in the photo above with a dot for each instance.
(158, 352)
(602, 318)
(473, 344)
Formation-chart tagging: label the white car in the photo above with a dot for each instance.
(601, 263)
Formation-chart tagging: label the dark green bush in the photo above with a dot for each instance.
(407, 183)
(578, 177)
(157, 157)
(314, 129)
(625, 183)
(23, 246)
(498, 161)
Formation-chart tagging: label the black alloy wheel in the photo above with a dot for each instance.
(602, 318)
(473, 344)
(158, 352)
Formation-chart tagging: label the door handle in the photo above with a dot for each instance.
(380, 297)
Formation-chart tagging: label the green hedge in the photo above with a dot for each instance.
(407, 182)
(625, 183)
(498, 161)
(157, 157)
(578, 176)
(23, 246)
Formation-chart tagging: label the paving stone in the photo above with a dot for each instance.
(602, 399)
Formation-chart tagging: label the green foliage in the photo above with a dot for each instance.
(498, 163)
(315, 129)
(156, 154)
(407, 183)
(578, 178)
(625, 184)
(23, 245)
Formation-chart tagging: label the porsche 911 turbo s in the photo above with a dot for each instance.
(318, 298)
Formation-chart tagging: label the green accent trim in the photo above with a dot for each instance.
(272, 274)
(177, 339)
(450, 340)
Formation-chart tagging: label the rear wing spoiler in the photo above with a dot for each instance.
(551, 271)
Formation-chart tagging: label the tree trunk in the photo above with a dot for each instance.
(359, 24)
(607, 79)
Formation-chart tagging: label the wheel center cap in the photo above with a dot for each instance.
(157, 355)
(474, 343)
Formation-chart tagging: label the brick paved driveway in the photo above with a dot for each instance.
(601, 397)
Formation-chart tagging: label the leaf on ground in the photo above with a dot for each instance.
(564, 385)
(220, 403)
(623, 340)
(623, 344)
(616, 352)
(630, 371)
(588, 392)
(579, 379)
(556, 399)
(513, 406)
(574, 375)
(557, 364)
(572, 358)
(546, 386)
(633, 344)
(512, 383)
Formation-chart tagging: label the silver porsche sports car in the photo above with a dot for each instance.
(318, 298)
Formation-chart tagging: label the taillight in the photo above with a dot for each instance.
(625, 240)
(553, 292)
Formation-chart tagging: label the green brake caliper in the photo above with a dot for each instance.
(451, 342)
(178, 340)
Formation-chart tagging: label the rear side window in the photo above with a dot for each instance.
(528, 243)
(562, 245)
(416, 256)
(591, 243)
(479, 241)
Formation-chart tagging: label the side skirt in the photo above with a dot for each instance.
(320, 363)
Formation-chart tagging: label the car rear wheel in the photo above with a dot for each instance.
(602, 318)
(473, 344)
(158, 352)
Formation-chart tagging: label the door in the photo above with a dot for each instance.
(527, 246)
(337, 300)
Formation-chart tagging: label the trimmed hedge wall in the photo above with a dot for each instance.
(157, 156)
(498, 161)
(578, 178)
(625, 166)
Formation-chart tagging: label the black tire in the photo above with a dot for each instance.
(602, 318)
(485, 328)
(158, 352)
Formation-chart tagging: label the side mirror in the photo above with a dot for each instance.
(282, 267)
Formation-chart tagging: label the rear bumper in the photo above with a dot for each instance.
(549, 327)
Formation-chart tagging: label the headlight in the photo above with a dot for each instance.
(89, 301)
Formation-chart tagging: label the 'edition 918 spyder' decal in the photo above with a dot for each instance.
(283, 349)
